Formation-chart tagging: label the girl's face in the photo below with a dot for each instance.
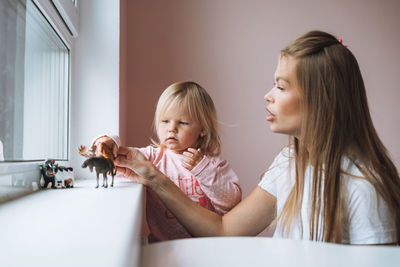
(284, 104)
(176, 131)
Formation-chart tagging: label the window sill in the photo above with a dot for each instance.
(18, 179)
(80, 226)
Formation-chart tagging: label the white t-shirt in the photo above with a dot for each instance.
(365, 223)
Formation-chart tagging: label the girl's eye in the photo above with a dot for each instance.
(164, 121)
(183, 123)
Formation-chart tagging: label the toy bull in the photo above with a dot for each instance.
(102, 165)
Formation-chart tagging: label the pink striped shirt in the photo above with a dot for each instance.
(212, 184)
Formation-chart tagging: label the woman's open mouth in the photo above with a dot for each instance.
(270, 116)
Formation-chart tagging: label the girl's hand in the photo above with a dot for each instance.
(133, 164)
(191, 158)
(108, 142)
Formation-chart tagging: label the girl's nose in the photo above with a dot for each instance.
(172, 127)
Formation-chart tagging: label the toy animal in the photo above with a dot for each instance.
(51, 173)
(84, 151)
(91, 152)
(49, 170)
(68, 183)
(102, 165)
(106, 151)
(64, 179)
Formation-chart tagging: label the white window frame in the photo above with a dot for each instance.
(68, 10)
(29, 170)
(52, 9)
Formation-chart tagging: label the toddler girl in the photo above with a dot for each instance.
(187, 152)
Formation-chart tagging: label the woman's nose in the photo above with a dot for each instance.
(268, 97)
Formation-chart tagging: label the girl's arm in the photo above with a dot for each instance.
(249, 217)
(219, 183)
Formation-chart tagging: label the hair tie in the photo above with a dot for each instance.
(341, 41)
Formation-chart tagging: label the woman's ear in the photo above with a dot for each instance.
(203, 133)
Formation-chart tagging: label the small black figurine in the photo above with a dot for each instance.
(102, 165)
(49, 170)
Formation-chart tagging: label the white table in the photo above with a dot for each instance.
(263, 251)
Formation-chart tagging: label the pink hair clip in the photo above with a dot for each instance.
(341, 41)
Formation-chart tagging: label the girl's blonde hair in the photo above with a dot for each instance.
(200, 108)
(336, 125)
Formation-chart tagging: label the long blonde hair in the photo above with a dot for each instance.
(200, 108)
(336, 125)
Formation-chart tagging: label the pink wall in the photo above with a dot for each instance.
(231, 48)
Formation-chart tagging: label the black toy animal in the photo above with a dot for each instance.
(49, 170)
(102, 165)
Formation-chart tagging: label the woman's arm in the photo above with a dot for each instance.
(249, 217)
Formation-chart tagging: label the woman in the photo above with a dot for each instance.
(335, 182)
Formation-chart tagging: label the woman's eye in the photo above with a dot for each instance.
(278, 87)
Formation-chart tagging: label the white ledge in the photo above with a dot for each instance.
(80, 226)
(264, 251)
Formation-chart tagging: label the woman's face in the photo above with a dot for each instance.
(284, 106)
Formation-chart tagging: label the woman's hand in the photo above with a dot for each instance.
(133, 164)
(191, 158)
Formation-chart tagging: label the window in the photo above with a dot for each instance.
(34, 103)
